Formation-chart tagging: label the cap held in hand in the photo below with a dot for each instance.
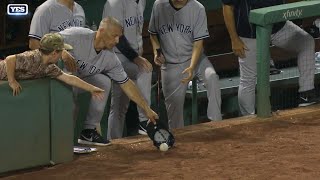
(159, 134)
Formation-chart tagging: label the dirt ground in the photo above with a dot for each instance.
(286, 146)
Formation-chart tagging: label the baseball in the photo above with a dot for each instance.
(164, 147)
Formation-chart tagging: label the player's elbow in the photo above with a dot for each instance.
(227, 7)
(34, 43)
(10, 59)
(227, 12)
(153, 36)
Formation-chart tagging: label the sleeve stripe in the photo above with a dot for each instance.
(34, 36)
(123, 81)
(202, 37)
(151, 32)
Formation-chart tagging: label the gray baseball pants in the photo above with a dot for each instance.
(291, 37)
(120, 101)
(174, 91)
(96, 107)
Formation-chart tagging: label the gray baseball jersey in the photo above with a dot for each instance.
(89, 61)
(178, 30)
(52, 16)
(130, 14)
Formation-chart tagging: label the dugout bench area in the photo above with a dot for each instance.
(37, 127)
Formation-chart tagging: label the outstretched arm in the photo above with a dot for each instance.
(134, 94)
(77, 82)
(11, 66)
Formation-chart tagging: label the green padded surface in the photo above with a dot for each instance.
(61, 122)
(24, 130)
(274, 14)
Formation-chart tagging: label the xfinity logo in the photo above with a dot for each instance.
(295, 13)
(17, 9)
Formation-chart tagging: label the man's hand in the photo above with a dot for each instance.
(15, 86)
(189, 71)
(159, 59)
(69, 61)
(152, 116)
(239, 48)
(97, 93)
(143, 64)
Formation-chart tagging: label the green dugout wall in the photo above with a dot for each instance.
(36, 126)
(264, 18)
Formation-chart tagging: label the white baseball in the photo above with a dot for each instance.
(164, 147)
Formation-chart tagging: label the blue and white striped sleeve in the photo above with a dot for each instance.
(201, 27)
(39, 24)
(152, 23)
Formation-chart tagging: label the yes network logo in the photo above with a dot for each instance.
(17, 9)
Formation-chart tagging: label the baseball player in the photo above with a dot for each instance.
(41, 63)
(98, 64)
(55, 16)
(285, 35)
(129, 51)
(178, 27)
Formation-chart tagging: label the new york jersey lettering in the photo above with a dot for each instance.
(183, 28)
(168, 28)
(133, 20)
(91, 69)
(75, 23)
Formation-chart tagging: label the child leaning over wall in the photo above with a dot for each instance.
(40, 63)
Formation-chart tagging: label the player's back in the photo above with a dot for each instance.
(130, 15)
(89, 60)
(81, 40)
(57, 16)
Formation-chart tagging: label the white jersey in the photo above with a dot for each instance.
(89, 61)
(178, 29)
(130, 15)
(52, 16)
